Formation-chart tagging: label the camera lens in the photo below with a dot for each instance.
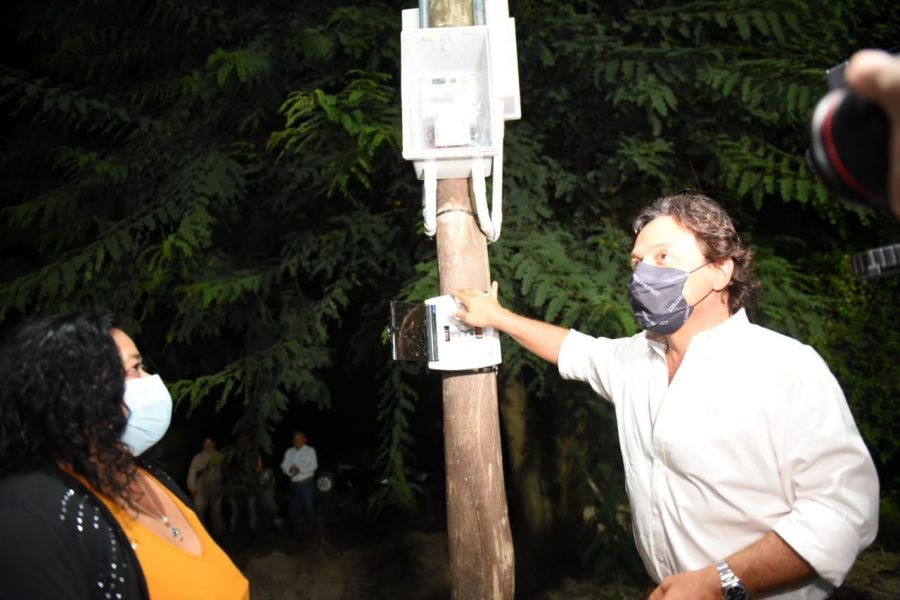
(850, 147)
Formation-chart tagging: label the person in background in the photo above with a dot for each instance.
(80, 515)
(264, 509)
(744, 468)
(300, 464)
(205, 482)
(250, 492)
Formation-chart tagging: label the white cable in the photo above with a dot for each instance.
(490, 223)
(480, 192)
(497, 180)
(429, 201)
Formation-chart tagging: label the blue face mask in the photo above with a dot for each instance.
(656, 295)
(150, 411)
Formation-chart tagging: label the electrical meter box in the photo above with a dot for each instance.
(431, 332)
(448, 107)
(458, 86)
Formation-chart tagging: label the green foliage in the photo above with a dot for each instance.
(863, 353)
(364, 112)
(397, 402)
(153, 176)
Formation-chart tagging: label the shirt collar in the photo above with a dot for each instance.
(723, 330)
(658, 345)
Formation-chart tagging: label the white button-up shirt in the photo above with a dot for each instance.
(752, 435)
(304, 458)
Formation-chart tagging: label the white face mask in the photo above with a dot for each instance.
(150, 406)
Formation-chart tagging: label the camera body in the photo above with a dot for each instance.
(849, 143)
(849, 153)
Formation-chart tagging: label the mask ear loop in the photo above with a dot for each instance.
(709, 262)
(711, 290)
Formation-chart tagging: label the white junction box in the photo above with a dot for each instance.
(430, 332)
(454, 346)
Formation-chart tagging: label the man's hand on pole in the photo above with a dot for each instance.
(479, 308)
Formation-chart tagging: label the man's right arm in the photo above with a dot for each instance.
(484, 310)
(315, 460)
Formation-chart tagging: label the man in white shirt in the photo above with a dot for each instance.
(745, 471)
(300, 464)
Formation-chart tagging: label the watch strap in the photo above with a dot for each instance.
(730, 581)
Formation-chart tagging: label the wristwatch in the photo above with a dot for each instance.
(732, 588)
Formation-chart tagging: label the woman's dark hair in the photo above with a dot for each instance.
(61, 391)
(718, 241)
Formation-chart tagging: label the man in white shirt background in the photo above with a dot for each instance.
(300, 464)
(745, 471)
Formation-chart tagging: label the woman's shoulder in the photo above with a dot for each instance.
(48, 499)
(40, 489)
(60, 540)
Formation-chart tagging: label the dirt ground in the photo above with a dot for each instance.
(364, 564)
(410, 564)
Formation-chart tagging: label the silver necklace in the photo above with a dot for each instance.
(174, 531)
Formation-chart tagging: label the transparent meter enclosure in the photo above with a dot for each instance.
(431, 332)
(448, 107)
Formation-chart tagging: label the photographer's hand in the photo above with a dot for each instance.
(876, 75)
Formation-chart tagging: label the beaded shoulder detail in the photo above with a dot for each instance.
(82, 512)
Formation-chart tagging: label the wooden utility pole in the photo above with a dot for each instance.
(481, 550)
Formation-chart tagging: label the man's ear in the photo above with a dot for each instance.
(722, 274)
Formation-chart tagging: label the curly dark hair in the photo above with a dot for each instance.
(61, 392)
(718, 241)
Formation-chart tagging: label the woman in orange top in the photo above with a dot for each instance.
(80, 515)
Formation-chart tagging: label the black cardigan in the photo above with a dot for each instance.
(58, 540)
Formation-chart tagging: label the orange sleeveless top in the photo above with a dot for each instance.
(173, 573)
